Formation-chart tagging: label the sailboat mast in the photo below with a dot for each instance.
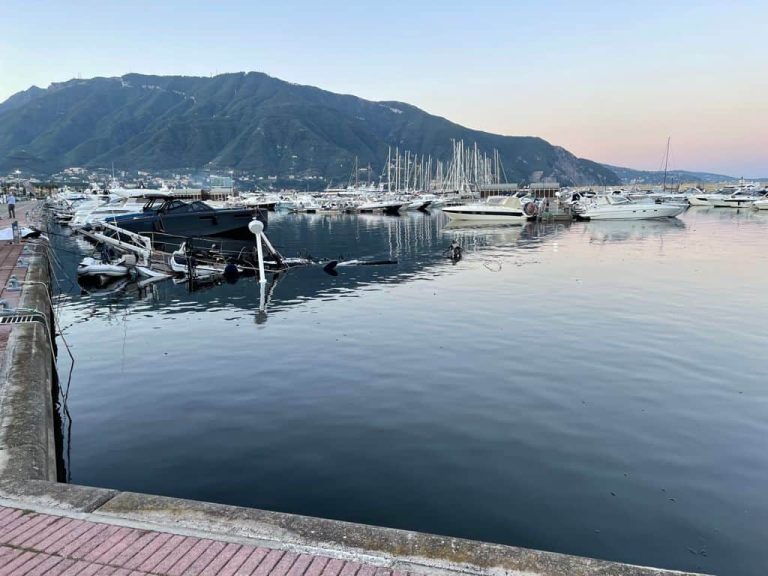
(666, 164)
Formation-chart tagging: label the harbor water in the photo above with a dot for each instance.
(598, 388)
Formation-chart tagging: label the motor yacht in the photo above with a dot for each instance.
(164, 214)
(497, 208)
(737, 200)
(619, 207)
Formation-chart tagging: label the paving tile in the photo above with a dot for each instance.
(316, 566)
(204, 559)
(53, 539)
(161, 553)
(6, 513)
(30, 532)
(234, 563)
(300, 566)
(253, 561)
(34, 561)
(269, 562)
(56, 527)
(117, 549)
(81, 568)
(68, 549)
(13, 563)
(114, 539)
(11, 529)
(60, 568)
(137, 546)
(168, 562)
(284, 565)
(221, 560)
(147, 551)
(350, 568)
(46, 566)
(99, 539)
(69, 537)
(186, 561)
(333, 568)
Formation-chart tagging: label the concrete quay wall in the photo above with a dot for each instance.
(27, 447)
(28, 481)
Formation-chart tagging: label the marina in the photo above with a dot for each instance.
(483, 295)
(322, 379)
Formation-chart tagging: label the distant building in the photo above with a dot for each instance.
(544, 189)
(221, 181)
(497, 189)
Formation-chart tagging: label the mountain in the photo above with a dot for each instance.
(20, 98)
(245, 121)
(631, 176)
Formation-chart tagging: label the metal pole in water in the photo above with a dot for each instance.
(257, 229)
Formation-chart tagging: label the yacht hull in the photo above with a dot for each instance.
(481, 213)
(733, 203)
(699, 201)
(633, 212)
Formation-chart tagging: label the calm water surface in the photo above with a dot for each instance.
(597, 389)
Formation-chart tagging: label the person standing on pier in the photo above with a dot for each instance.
(11, 205)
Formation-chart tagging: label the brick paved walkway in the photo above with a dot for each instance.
(33, 544)
(9, 256)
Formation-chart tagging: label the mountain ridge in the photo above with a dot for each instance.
(246, 121)
(631, 175)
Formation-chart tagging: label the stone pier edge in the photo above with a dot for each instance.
(28, 480)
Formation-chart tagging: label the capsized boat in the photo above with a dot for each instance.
(200, 264)
(496, 208)
(164, 214)
(108, 267)
(619, 207)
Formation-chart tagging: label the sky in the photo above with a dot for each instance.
(609, 81)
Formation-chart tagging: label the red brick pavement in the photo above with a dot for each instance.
(9, 256)
(34, 544)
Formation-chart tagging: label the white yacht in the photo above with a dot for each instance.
(370, 205)
(760, 204)
(618, 207)
(737, 200)
(498, 208)
(697, 197)
(98, 213)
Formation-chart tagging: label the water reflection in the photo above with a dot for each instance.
(623, 231)
(414, 243)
